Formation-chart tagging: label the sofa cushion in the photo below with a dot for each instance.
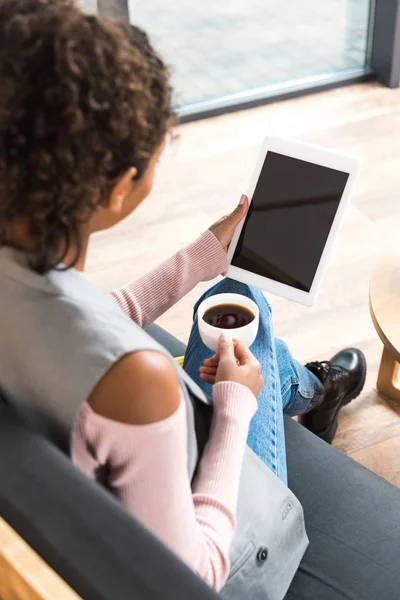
(352, 519)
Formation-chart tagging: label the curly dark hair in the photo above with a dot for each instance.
(82, 99)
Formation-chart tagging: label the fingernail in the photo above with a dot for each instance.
(225, 337)
(242, 199)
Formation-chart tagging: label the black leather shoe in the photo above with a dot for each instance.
(343, 378)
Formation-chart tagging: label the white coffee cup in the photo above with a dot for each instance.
(210, 334)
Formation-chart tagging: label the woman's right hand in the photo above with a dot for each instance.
(233, 362)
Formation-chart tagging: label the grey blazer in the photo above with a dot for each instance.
(44, 321)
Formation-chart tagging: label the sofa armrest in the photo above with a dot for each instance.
(79, 529)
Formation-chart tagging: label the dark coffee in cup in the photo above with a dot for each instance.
(228, 316)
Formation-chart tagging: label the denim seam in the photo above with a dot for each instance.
(275, 461)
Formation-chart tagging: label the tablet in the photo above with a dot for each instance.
(297, 197)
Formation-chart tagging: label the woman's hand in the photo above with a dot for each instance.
(225, 227)
(233, 362)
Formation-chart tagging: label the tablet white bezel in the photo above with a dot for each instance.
(316, 155)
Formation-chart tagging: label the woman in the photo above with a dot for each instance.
(84, 114)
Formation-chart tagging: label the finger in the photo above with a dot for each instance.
(210, 363)
(221, 220)
(213, 367)
(239, 212)
(214, 360)
(243, 354)
(226, 348)
(207, 378)
(208, 370)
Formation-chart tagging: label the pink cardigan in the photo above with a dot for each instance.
(147, 464)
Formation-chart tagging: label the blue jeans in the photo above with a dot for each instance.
(288, 388)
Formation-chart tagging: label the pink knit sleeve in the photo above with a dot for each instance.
(147, 471)
(147, 298)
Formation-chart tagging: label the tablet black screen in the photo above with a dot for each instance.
(289, 220)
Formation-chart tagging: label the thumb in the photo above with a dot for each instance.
(237, 215)
(226, 348)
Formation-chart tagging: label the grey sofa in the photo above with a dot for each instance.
(352, 516)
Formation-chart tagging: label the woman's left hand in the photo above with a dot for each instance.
(225, 227)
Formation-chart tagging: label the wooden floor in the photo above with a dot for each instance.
(201, 178)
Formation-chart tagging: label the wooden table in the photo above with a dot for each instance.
(385, 312)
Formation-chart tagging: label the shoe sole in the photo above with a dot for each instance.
(330, 434)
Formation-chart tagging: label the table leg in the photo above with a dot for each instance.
(388, 378)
